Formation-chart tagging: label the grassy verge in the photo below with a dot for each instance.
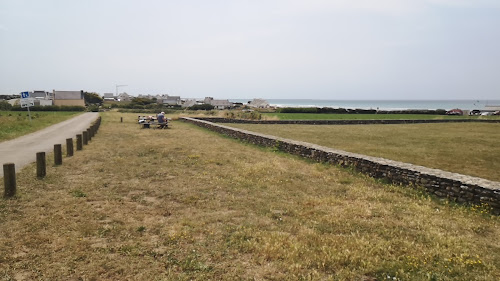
(314, 116)
(188, 204)
(470, 149)
(14, 123)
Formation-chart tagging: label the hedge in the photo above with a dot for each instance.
(356, 111)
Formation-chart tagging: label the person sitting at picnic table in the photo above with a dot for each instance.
(161, 120)
(161, 117)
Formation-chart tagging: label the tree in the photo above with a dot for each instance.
(92, 98)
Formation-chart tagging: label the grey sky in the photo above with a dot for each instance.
(337, 49)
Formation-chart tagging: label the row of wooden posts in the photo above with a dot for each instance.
(9, 170)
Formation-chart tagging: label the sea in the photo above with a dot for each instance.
(380, 104)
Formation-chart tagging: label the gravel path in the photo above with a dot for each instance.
(22, 151)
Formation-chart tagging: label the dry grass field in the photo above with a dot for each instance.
(466, 148)
(188, 204)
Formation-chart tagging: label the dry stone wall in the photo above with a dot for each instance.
(457, 187)
(343, 122)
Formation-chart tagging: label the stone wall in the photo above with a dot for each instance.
(456, 187)
(342, 122)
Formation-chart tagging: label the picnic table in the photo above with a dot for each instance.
(147, 124)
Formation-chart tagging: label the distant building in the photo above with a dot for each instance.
(169, 100)
(42, 102)
(218, 104)
(189, 103)
(109, 97)
(42, 95)
(42, 98)
(258, 103)
(147, 96)
(71, 98)
(123, 97)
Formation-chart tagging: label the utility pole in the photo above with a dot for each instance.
(117, 86)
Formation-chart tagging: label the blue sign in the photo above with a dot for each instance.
(25, 95)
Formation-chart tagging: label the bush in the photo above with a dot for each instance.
(153, 111)
(414, 111)
(93, 108)
(4, 105)
(249, 115)
(357, 111)
(202, 107)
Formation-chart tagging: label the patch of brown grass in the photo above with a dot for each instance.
(466, 148)
(187, 204)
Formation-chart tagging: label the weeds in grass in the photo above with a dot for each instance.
(78, 193)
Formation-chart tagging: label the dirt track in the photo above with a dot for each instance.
(22, 151)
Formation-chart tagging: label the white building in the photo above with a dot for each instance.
(259, 103)
(218, 104)
(189, 103)
(42, 98)
(109, 97)
(124, 97)
(169, 100)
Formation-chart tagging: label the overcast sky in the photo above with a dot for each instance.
(336, 49)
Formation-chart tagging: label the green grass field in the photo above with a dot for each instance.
(14, 124)
(188, 204)
(466, 148)
(326, 116)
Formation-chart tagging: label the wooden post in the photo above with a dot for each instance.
(79, 142)
(9, 179)
(85, 138)
(121, 119)
(57, 154)
(41, 170)
(69, 147)
(89, 134)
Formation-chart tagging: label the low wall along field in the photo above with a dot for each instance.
(457, 187)
(347, 122)
(466, 148)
